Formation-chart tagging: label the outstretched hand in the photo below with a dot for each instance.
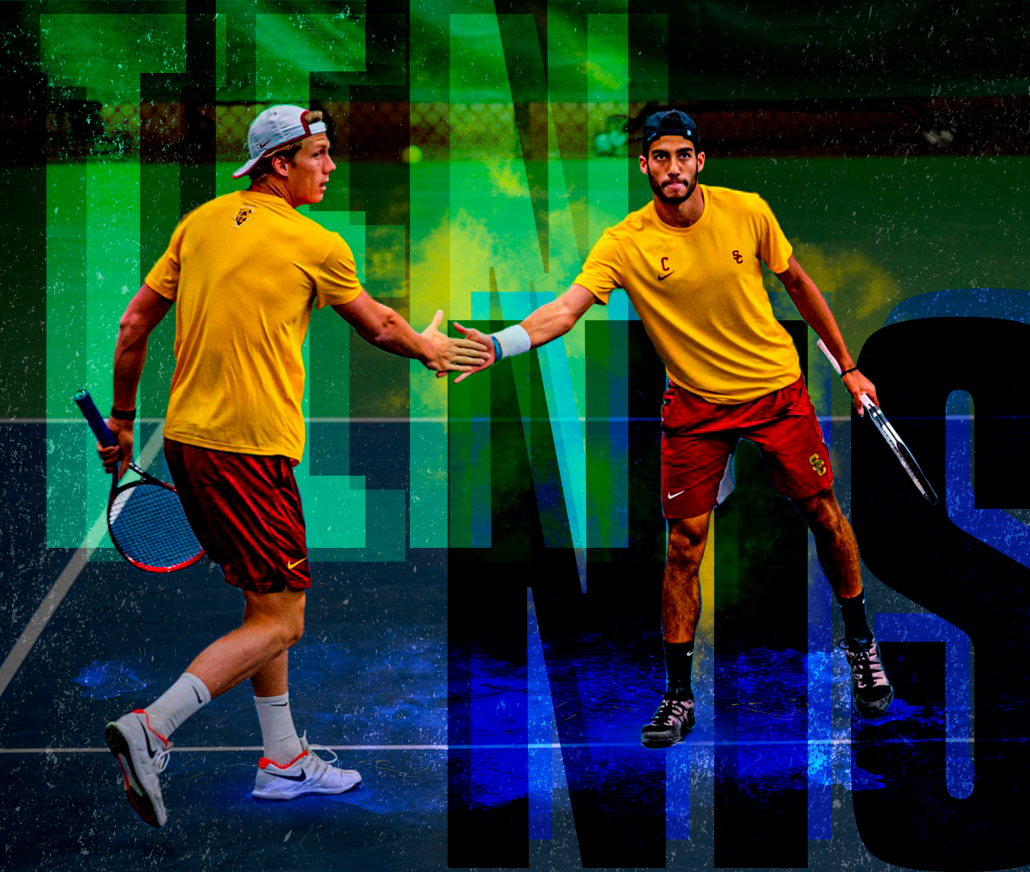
(445, 354)
(485, 343)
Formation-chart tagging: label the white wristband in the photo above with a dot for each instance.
(512, 341)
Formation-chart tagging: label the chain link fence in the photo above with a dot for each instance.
(470, 131)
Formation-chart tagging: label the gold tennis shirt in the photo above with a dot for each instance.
(698, 291)
(245, 271)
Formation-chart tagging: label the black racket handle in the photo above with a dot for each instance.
(92, 415)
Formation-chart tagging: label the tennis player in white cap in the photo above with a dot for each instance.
(246, 269)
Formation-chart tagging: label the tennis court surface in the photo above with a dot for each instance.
(528, 732)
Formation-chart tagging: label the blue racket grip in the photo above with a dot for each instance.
(92, 415)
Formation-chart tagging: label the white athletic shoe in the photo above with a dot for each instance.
(305, 774)
(143, 755)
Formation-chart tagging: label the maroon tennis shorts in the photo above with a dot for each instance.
(245, 511)
(698, 438)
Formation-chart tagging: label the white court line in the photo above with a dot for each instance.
(710, 743)
(79, 559)
(239, 748)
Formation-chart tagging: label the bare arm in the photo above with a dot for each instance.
(384, 328)
(812, 307)
(142, 315)
(550, 321)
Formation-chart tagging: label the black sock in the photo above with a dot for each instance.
(679, 663)
(852, 610)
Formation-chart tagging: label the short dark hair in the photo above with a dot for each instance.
(289, 151)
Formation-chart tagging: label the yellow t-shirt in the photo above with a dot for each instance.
(245, 270)
(698, 291)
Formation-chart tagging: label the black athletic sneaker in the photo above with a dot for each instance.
(673, 720)
(870, 688)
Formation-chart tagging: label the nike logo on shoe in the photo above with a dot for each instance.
(150, 748)
(302, 777)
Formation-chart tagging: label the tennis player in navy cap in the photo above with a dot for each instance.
(245, 271)
(691, 262)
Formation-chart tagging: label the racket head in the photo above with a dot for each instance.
(148, 526)
(915, 473)
(902, 452)
(890, 435)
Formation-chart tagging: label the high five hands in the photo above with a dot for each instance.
(477, 349)
(465, 355)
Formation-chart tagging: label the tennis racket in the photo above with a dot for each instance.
(891, 437)
(144, 517)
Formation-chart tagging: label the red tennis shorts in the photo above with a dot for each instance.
(245, 511)
(699, 437)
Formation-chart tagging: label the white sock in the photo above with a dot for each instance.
(182, 700)
(278, 734)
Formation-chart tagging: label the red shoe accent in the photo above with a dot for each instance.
(265, 762)
(146, 717)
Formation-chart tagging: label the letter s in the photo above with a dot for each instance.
(915, 549)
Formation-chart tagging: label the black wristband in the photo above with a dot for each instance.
(122, 415)
(845, 372)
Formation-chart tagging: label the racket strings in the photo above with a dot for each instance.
(148, 525)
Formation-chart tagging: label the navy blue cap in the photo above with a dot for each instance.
(670, 123)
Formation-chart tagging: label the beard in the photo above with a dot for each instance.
(659, 192)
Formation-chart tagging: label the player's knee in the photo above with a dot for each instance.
(282, 612)
(296, 631)
(287, 632)
(687, 537)
(823, 514)
(294, 626)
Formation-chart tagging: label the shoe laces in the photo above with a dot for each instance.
(864, 659)
(670, 710)
(320, 764)
(161, 759)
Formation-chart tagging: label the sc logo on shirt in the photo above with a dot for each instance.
(818, 464)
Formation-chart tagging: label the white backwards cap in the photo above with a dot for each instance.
(276, 126)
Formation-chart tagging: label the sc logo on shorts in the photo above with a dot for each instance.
(818, 464)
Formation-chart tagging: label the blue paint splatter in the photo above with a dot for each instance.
(862, 780)
(401, 783)
(387, 687)
(104, 679)
(766, 718)
(772, 690)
